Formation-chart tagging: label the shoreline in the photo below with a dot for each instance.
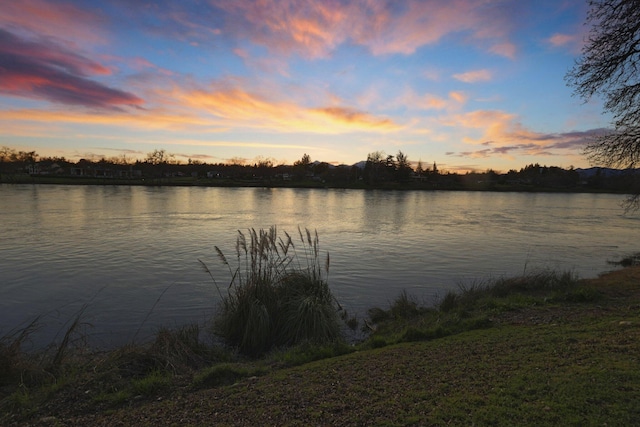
(230, 183)
(532, 351)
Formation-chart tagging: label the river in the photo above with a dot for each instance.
(129, 255)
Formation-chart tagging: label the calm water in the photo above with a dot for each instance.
(130, 254)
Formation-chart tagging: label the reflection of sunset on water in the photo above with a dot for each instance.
(116, 248)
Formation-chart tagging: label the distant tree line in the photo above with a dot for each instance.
(378, 171)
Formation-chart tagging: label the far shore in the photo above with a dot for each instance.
(308, 184)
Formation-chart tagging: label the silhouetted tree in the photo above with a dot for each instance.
(305, 161)
(609, 68)
(419, 168)
(374, 166)
(300, 167)
(159, 157)
(264, 167)
(403, 167)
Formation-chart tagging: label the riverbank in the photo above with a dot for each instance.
(541, 356)
(440, 185)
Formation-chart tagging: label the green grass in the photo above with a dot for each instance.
(471, 307)
(542, 350)
(575, 374)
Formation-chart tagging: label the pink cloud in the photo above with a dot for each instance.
(309, 28)
(572, 42)
(419, 23)
(53, 19)
(314, 29)
(43, 70)
(474, 76)
(561, 39)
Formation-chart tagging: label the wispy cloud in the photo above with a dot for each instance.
(572, 42)
(220, 108)
(60, 20)
(474, 76)
(427, 101)
(505, 49)
(313, 29)
(501, 135)
(241, 108)
(309, 28)
(559, 39)
(355, 117)
(140, 119)
(44, 70)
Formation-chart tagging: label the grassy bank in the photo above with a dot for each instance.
(546, 349)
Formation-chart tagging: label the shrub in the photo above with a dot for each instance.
(276, 296)
(627, 261)
(405, 306)
(179, 349)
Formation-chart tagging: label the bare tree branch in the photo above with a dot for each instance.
(609, 67)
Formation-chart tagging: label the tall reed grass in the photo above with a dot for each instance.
(278, 294)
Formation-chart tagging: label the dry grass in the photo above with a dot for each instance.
(278, 294)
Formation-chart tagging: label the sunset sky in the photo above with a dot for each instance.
(469, 84)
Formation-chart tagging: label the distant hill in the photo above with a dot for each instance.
(589, 172)
(361, 164)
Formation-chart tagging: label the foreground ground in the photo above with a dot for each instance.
(574, 363)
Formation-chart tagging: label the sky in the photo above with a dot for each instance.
(468, 84)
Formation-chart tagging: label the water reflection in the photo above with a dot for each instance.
(119, 248)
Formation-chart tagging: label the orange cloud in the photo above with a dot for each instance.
(354, 117)
(501, 134)
(239, 108)
(458, 97)
(143, 120)
(474, 76)
(432, 102)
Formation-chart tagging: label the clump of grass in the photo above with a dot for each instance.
(405, 306)
(15, 365)
(482, 294)
(27, 375)
(18, 366)
(175, 349)
(627, 261)
(152, 383)
(470, 307)
(277, 296)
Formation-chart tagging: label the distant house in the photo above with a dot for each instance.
(56, 169)
(34, 169)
